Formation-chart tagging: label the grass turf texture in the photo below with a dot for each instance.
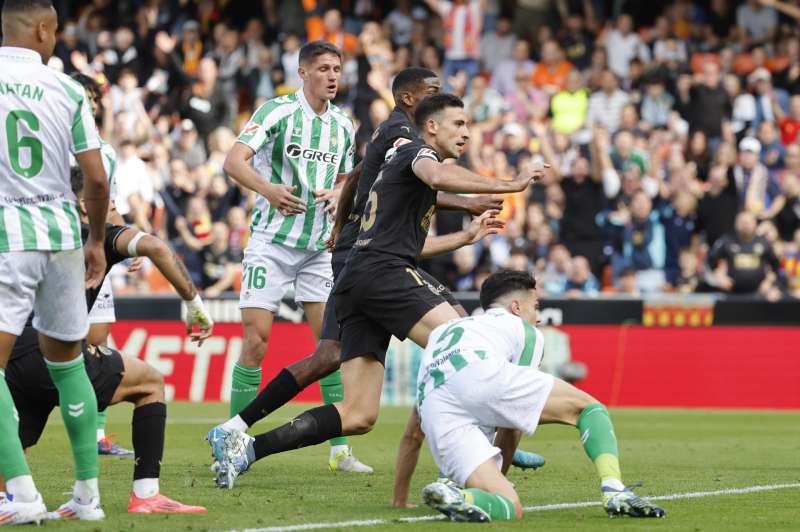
(672, 451)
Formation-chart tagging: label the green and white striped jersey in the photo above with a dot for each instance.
(296, 147)
(46, 116)
(454, 345)
(110, 165)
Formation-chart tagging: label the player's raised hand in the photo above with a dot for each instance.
(95, 258)
(484, 225)
(329, 196)
(478, 205)
(281, 197)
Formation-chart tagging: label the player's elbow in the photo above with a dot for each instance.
(153, 248)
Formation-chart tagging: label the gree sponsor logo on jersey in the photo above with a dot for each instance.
(295, 151)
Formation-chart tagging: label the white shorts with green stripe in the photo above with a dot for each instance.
(460, 416)
(269, 270)
(51, 285)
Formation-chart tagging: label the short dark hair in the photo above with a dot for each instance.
(410, 78)
(315, 49)
(19, 6)
(76, 179)
(433, 104)
(90, 85)
(504, 282)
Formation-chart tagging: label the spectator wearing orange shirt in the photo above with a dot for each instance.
(331, 31)
(551, 73)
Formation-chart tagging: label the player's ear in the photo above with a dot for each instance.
(302, 72)
(515, 308)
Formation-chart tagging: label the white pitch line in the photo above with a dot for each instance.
(541, 508)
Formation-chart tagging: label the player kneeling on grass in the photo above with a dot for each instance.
(114, 378)
(482, 372)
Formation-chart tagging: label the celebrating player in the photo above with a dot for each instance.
(483, 372)
(114, 378)
(380, 293)
(299, 143)
(410, 86)
(47, 117)
(102, 314)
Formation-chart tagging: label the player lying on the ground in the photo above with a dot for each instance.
(483, 372)
(380, 292)
(114, 378)
(410, 87)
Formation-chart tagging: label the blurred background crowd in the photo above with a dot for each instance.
(671, 127)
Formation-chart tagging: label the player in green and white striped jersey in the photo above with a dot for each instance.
(103, 314)
(300, 144)
(47, 117)
(481, 373)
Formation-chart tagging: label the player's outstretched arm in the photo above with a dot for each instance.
(453, 178)
(407, 458)
(475, 205)
(484, 225)
(237, 166)
(132, 243)
(95, 197)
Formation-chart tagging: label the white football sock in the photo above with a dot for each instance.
(235, 423)
(613, 483)
(145, 487)
(101, 433)
(21, 488)
(86, 490)
(338, 448)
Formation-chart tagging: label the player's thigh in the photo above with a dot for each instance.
(436, 316)
(565, 403)
(140, 384)
(362, 379)
(457, 442)
(312, 287)
(443, 291)
(487, 477)
(20, 274)
(60, 308)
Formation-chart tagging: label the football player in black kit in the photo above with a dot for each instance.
(380, 291)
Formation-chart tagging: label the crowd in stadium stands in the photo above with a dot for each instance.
(671, 127)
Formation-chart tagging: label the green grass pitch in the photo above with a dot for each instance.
(672, 451)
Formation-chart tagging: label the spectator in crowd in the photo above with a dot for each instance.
(605, 105)
(758, 191)
(220, 269)
(710, 108)
(551, 73)
(718, 206)
(498, 45)
(570, 105)
(188, 148)
(577, 43)
(745, 263)
(627, 284)
(555, 276)
(581, 282)
(462, 21)
(767, 97)
(757, 23)
(622, 45)
(688, 279)
(656, 104)
(505, 75)
(679, 230)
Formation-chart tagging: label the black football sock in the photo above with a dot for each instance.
(279, 391)
(309, 428)
(149, 423)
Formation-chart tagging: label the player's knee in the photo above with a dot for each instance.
(154, 384)
(359, 422)
(255, 345)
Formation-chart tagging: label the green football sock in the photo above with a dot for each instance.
(79, 411)
(333, 392)
(244, 387)
(12, 457)
(599, 441)
(499, 507)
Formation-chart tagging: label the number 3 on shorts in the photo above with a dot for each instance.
(254, 276)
